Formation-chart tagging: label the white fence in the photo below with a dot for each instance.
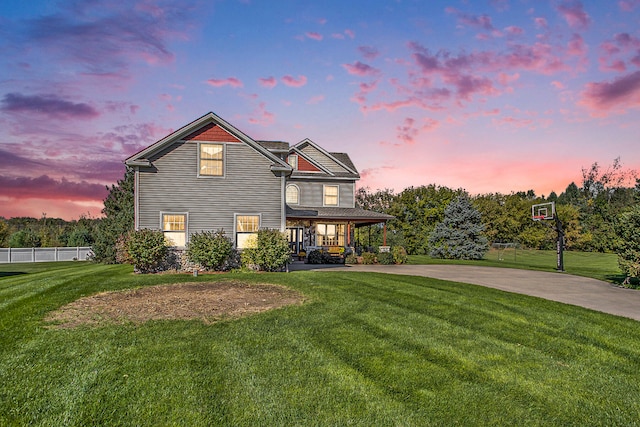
(8, 255)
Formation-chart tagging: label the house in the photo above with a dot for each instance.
(209, 175)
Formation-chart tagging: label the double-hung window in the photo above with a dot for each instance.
(211, 160)
(293, 161)
(174, 227)
(246, 230)
(331, 195)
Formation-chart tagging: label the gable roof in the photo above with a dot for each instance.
(141, 157)
(331, 164)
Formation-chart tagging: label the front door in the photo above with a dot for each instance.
(295, 239)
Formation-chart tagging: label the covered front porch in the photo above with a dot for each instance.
(328, 229)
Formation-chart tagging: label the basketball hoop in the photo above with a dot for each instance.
(543, 211)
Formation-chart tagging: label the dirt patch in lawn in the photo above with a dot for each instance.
(204, 301)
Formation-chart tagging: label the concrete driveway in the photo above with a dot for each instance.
(581, 291)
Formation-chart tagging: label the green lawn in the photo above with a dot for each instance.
(365, 349)
(590, 264)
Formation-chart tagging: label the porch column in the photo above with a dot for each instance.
(348, 234)
(384, 234)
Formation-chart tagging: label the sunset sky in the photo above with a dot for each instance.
(489, 96)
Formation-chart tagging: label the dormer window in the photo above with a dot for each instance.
(293, 161)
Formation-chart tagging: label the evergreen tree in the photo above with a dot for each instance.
(118, 219)
(460, 234)
(628, 229)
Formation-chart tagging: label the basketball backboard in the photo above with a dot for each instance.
(543, 211)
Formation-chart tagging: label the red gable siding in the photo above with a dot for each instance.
(213, 133)
(305, 166)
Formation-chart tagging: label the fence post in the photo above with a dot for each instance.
(33, 254)
(77, 253)
(9, 254)
(55, 253)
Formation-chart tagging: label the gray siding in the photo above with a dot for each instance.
(322, 159)
(311, 192)
(248, 187)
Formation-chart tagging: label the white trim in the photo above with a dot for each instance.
(194, 126)
(285, 194)
(324, 204)
(224, 159)
(235, 224)
(186, 224)
(323, 151)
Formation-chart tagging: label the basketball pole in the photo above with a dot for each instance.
(560, 244)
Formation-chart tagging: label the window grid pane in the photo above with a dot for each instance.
(173, 222)
(330, 234)
(247, 223)
(331, 195)
(211, 159)
(293, 194)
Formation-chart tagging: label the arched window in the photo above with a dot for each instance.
(293, 194)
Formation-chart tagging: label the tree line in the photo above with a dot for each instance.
(591, 213)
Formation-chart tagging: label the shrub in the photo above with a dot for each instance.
(145, 249)
(368, 258)
(351, 259)
(399, 255)
(316, 257)
(270, 253)
(212, 250)
(385, 258)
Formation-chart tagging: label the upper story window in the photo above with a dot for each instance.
(211, 159)
(174, 227)
(331, 195)
(293, 161)
(293, 194)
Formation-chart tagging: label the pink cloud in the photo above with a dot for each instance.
(230, 81)
(628, 5)
(514, 30)
(360, 69)
(557, 84)
(44, 187)
(617, 95)
(369, 52)
(614, 52)
(573, 12)
(47, 105)
(350, 33)
(540, 22)
(338, 36)
(315, 100)
(577, 46)
(407, 131)
(269, 82)
(293, 82)
(474, 21)
(313, 35)
(261, 116)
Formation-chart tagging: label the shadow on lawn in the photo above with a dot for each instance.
(11, 273)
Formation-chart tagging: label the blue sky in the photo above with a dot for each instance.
(489, 96)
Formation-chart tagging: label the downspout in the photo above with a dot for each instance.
(136, 200)
(283, 206)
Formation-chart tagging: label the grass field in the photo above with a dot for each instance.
(364, 349)
(589, 264)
